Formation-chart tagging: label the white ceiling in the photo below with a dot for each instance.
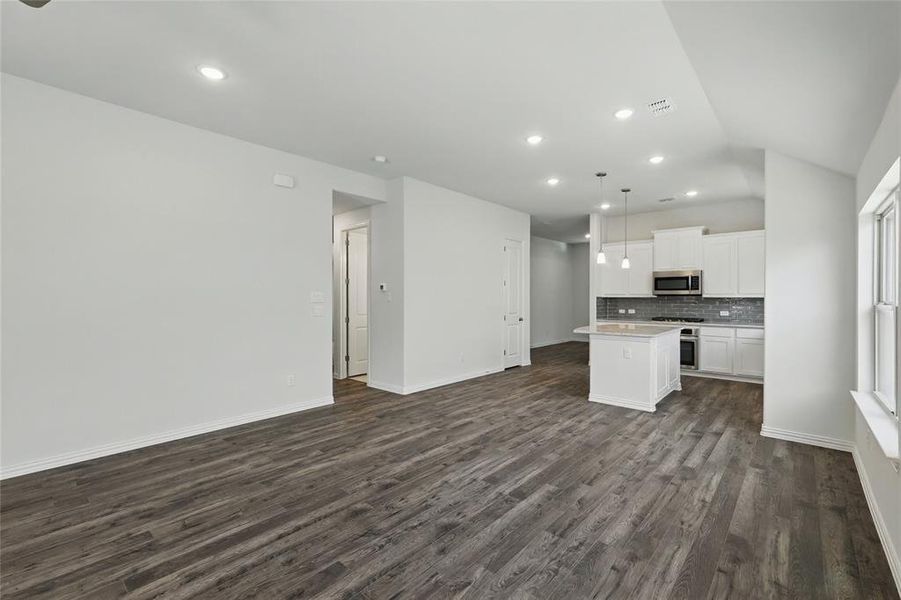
(808, 79)
(448, 91)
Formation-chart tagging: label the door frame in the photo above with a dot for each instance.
(342, 315)
(522, 305)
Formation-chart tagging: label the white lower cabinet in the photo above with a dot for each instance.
(716, 354)
(731, 351)
(749, 352)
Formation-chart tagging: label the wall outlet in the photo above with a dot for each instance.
(622, 311)
(291, 380)
(724, 313)
(627, 352)
(631, 311)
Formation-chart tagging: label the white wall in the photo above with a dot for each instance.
(453, 284)
(883, 150)
(386, 308)
(552, 292)
(720, 217)
(878, 476)
(155, 282)
(341, 222)
(582, 310)
(810, 262)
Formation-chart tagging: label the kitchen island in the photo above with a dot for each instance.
(632, 365)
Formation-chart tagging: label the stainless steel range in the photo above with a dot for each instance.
(688, 340)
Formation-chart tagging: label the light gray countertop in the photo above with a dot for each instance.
(627, 329)
(739, 324)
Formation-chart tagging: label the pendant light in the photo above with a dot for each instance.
(626, 263)
(602, 258)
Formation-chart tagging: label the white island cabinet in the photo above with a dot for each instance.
(634, 366)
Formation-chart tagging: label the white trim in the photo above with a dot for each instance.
(705, 374)
(412, 389)
(891, 554)
(882, 424)
(623, 402)
(77, 456)
(551, 343)
(385, 387)
(807, 438)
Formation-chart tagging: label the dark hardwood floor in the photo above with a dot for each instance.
(507, 486)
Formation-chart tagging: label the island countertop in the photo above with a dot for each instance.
(627, 329)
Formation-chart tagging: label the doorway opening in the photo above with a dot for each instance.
(351, 264)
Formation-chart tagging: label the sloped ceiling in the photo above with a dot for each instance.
(449, 91)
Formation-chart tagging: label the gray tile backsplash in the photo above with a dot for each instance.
(741, 310)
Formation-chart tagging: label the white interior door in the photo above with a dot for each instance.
(513, 317)
(357, 318)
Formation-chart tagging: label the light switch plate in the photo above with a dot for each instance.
(622, 311)
(724, 313)
(631, 311)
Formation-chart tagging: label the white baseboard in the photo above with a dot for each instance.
(385, 387)
(77, 456)
(807, 438)
(704, 374)
(560, 341)
(550, 343)
(891, 553)
(620, 402)
(412, 389)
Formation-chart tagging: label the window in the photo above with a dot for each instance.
(886, 302)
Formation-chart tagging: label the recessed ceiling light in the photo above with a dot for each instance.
(587, 236)
(534, 140)
(623, 113)
(691, 193)
(553, 181)
(211, 73)
(605, 206)
(380, 159)
(655, 160)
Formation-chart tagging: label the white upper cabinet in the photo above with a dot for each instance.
(751, 259)
(614, 280)
(635, 281)
(641, 275)
(733, 265)
(719, 266)
(678, 249)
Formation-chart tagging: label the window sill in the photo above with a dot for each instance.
(882, 424)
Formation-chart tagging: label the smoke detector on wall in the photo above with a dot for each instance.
(661, 106)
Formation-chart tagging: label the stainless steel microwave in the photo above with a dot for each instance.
(677, 283)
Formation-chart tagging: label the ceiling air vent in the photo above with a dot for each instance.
(666, 200)
(661, 107)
